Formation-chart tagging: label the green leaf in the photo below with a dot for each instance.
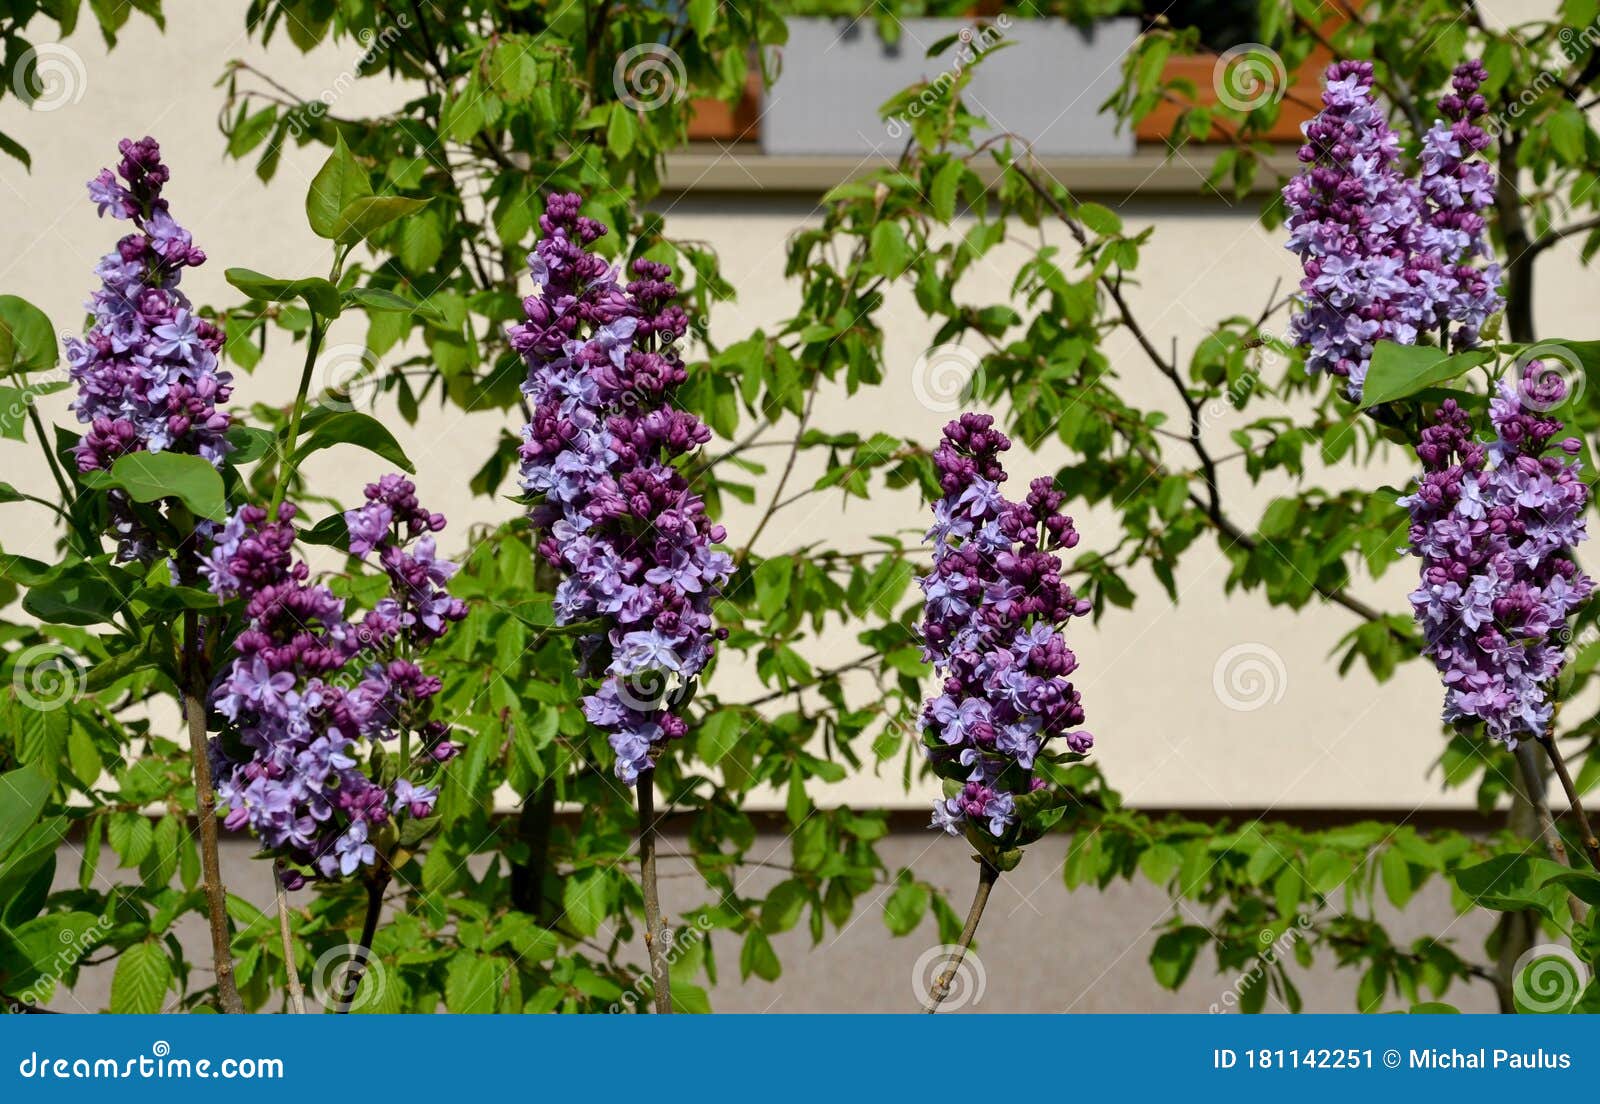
(23, 793)
(139, 986)
(1396, 874)
(772, 579)
(1400, 371)
(1511, 883)
(783, 906)
(470, 984)
(331, 530)
(946, 185)
(250, 443)
(1582, 884)
(351, 427)
(583, 896)
(27, 339)
(340, 182)
(370, 213)
(120, 665)
(890, 253)
(1567, 130)
(1103, 221)
(904, 909)
(79, 594)
(318, 294)
(703, 17)
(718, 735)
(1173, 956)
(1160, 862)
(381, 299)
(45, 946)
(1328, 870)
(15, 402)
(757, 957)
(152, 476)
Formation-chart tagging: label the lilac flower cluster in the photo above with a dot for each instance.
(146, 371)
(307, 686)
(1386, 257)
(996, 605)
(1495, 526)
(612, 511)
(1458, 186)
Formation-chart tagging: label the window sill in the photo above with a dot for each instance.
(741, 168)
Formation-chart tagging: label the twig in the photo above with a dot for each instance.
(820, 677)
(377, 882)
(1546, 240)
(783, 480)
(286, 468)
(1586, 835)
(297, 993)
(206, 813)
(1528, 764)
(654, 932)
(1519, 250)
(988, 875)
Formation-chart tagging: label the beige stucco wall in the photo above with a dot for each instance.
(1149, 676)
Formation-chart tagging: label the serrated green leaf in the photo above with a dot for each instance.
(139, 985)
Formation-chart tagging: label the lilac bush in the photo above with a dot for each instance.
(996, 606)
(1387, 257)
(611, 509)
(146, 371)
(308, 688)
(1494, 526)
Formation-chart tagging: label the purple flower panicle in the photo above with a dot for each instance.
(1458, 185)
(996, 605)
(1386, 257)
(146, 371)
(308, 689)
(613, 512)
(1494, 526)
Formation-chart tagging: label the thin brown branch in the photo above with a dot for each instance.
(1586, 836)
(654, 931)
(1551, 237)
(216, 895)
(297, 993)
(988, 875)
(377, 881)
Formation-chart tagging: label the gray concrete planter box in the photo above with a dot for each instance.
(1046, 85)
